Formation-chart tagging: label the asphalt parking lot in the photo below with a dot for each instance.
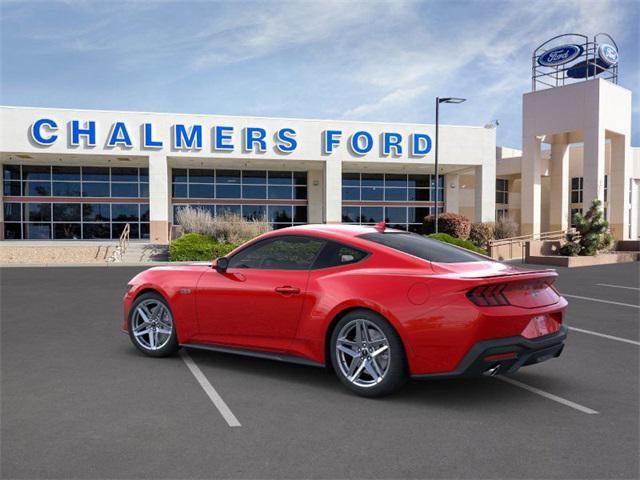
(79, 401)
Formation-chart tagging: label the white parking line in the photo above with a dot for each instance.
(548, 395)
(217, 400)
(602, 301)
(616, 286)
(610, 337)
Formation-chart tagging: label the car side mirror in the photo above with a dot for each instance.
(221, 264)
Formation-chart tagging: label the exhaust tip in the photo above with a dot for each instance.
(492, 372)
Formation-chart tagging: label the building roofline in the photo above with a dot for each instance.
(18, 107)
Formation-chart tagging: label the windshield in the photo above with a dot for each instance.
(423, 247)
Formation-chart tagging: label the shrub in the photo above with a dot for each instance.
(591, 235)
(197, 247)
(482, 233)
(226, 228)
(452, 224)
(443, 237)
(505, 227)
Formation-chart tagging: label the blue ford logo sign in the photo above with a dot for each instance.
(608, 54)
(560, 55)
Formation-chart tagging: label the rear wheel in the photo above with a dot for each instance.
(151, 326)
(367, 354)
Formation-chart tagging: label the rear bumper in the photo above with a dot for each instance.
(525, 352)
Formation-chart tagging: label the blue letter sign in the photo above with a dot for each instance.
(421, 144)
(147, 138)
(182, 139)
(286, 140)
(36, 131)
(89, 131)
(119, 136)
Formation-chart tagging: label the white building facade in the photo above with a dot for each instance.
(85, 174)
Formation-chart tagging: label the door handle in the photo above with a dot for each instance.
(287, 290)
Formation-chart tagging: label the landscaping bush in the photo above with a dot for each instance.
(443, 237)
(591, 235)
(226, 228)
(505, 227)
(482, 233)
(453, 224)
(197, 247)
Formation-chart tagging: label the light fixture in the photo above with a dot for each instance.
(440, 100)
(451, 100)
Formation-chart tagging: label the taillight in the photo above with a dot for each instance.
(489, 295)
(525, 294)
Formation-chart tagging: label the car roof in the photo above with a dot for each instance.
(335, 230)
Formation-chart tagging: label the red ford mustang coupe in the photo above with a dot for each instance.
(377, 305)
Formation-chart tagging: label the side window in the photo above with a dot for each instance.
(281, 253)
(335, 254)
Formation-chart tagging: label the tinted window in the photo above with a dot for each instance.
(423, 247)
(335, 254)
(284, 253)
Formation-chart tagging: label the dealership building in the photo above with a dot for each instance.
(85, 174)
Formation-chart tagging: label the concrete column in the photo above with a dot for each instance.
(451, 194)
(531, 188)
(593, 167)
(315, 194)
(485, 192)
(559, 191)
(333, 191)
(159, 198)
(618, 188)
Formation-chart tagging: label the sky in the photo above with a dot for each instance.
(344, 60)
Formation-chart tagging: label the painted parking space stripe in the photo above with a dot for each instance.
(601, 301)
(217, 400)
(550, 396)
(610, 337)
(616, 286)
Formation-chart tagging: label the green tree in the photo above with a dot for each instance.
(591, 235)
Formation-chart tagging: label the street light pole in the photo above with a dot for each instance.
(436, 162)
(438, 102)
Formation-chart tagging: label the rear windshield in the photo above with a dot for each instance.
(423, 247)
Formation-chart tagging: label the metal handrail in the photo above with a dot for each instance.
(123, 244)
(534, 236)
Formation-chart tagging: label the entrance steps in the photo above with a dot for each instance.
(145, 252)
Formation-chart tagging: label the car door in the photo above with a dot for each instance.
(257, 302)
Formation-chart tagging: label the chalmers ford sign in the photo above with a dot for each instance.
(221, 138)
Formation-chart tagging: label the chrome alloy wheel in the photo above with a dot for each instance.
(152, 324)
(363, 353)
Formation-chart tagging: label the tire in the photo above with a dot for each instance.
(354, 342)
(152, 331)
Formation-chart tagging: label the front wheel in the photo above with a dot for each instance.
(367, 354)
(151, 326)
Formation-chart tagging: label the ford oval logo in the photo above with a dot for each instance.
(560, 55)
(608, 54)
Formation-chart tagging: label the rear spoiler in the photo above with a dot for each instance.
(547, 272)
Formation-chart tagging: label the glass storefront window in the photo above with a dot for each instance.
(36, 172)
(95, 174)
(96, 212)
(37, 189)
(255, 187)
(66, 173)
(66, 212)
(95, 189)
(66, 189)
(124, 190)
(12, 212)
(358, 189)
(68, 231)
